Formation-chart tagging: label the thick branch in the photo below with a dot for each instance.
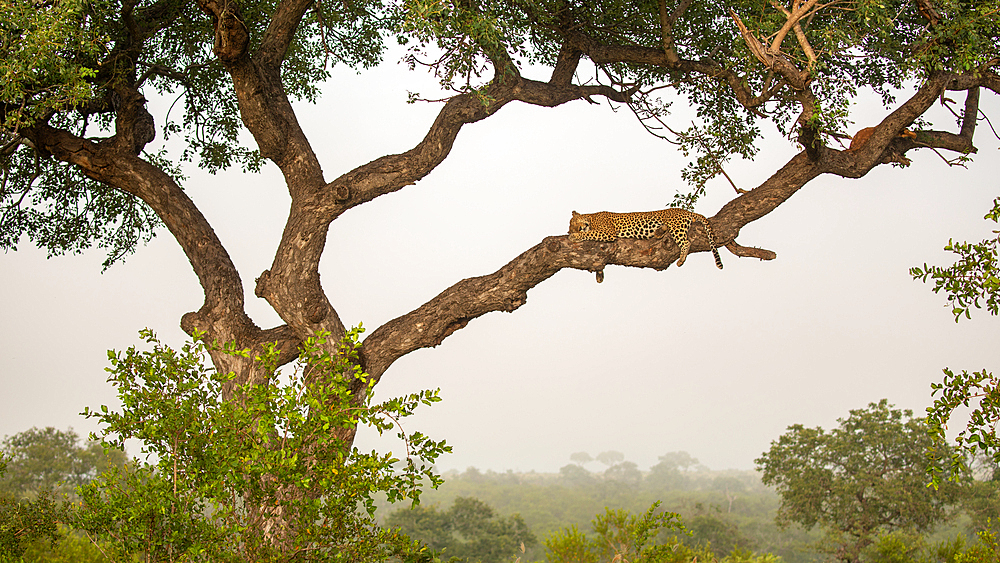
(222, 314)
(885, 144)
(667, 22)
(278, 36)
(393, 172)
(506, 289)
(971, 115)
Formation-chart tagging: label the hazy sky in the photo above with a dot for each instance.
(716, 363)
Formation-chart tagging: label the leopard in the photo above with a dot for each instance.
(607, 226)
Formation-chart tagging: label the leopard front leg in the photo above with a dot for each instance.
(591, 235)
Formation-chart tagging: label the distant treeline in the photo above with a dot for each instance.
(721, 509)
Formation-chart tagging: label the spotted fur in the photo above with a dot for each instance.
(608, 226)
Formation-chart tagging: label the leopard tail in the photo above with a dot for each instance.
(711, 240)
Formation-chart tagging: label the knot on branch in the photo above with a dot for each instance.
(260, 289)
(231, 35)
(455, 325)
(316, 312)
(512, 303)
(342, 194)
(191, 321)
(811, 141)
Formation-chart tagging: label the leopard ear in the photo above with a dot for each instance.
(575, 214)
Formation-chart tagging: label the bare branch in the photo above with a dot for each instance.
(667, 28)
(971, 114)
(791, 22)
(394, 172)
(770, 57)
(634, 54)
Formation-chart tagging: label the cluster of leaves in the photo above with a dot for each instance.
(45, 53)
(977, 390)
(61, 61)
(274, 458)
(903, 547)
(972, 281)
(619, 535)
(63, 211)
(23, 522)
(866, 476)
(470, 529)
(974, 277)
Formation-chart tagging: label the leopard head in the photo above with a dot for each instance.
(579, 223)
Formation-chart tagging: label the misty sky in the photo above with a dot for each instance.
(716, 363)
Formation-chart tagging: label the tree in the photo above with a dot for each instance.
(973, 277)
(620, 536)
(676, 461)
(581, 458)
(610, 457)
(22, 522)
(219, 474)
(80, 170)
(862, 478)
(53, 460)
(469, 529)
(626, 472)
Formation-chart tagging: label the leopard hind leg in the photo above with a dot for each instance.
(680, 236)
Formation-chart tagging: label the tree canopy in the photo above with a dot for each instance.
(864, 477)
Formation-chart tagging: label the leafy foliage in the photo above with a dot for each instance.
(622, 536)
(470, 529)
(26, 521)
(721, 509)
(63, 61)
(973, 277)
(219, 470)
(50, 460)
(861, 478)
(902, 547)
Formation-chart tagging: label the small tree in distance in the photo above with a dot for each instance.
(581, 458)
(610, 457)
(48, 459)
(862, 478)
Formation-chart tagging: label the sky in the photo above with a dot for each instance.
(714, 363)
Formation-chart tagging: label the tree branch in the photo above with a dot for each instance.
(885, 144)
(287, 16)
(610, 54)
(772, 58)
(222, 315)
(506, 289)
(394, 172)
